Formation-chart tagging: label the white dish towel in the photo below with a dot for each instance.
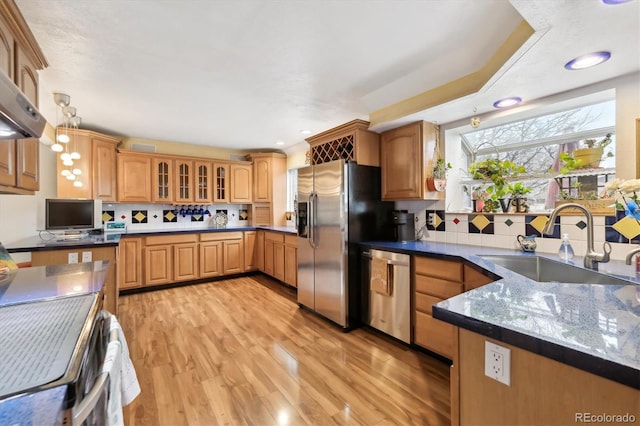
(124, 386)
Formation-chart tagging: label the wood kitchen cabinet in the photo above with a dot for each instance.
(20, 58)
(407, 156)
(183, 171)
(351, 141)
(224, 253)
(250, 251)
(202, 181)
(170, 258)
(185, 261)
(259, 250)
(221, 182)
(280, 257)
(134, 177)
(162, 180)
(270, 241)
(130, 263)
(435, 280)
(291, 260)
(269, 188)
(241, 183)
(97, 164)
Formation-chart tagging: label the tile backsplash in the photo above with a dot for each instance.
(501, 230)
(159, 216)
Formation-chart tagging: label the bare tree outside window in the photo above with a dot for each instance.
(535, 142)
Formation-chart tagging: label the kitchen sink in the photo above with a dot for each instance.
(542, 269)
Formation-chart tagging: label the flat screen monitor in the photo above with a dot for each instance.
(69, 214)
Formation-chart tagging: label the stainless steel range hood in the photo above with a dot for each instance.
(19, 119)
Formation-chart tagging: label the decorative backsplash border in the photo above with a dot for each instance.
(153, 216)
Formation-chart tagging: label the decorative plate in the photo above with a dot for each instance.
(221, 219)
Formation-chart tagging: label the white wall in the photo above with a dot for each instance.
(19, 213)
(627, 110)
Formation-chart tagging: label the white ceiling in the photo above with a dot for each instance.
(245, 74)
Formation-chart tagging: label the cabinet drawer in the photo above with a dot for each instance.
(171, 239)
(220, 236)
(291, 240)
(437, 287)
(425, 301)
(435, 335)
(446, 269)
(274, 236)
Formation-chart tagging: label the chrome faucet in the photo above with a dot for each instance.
(631, 254)
(591, 258)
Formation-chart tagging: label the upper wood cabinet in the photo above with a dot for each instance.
(134, 177)
(221, 182)
(203, 178)
(20, 58)
(184, 181)
(269, 187)
(162, 180)
(241, 183)
(97, 164)
(351, 141)
(407, 155)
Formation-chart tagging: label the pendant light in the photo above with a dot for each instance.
(65, 129)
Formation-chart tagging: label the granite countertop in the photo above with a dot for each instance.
(42, 408)
(44, 284)
(53, 242)
(49, 282)
(593, 327)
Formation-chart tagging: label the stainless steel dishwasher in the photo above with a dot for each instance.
(391, 313)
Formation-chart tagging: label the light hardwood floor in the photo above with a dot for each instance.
(240, 351)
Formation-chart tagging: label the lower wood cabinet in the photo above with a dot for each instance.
(250, 252)
(291, 260)
(280, 257)
(158, 265)
(435, 280)
(210, 259)
(222, 253)
(259, 250)
(60, 257)
(130, 263)
(185, 262)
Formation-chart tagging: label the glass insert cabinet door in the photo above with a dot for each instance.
(221, 193)
(203, 182)
(163, 180)
(184, 178)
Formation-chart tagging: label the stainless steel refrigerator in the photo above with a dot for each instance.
(339, 206)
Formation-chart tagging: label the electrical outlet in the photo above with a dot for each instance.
(430, 218)
(73, 257)
(86, 256)
(497, 362)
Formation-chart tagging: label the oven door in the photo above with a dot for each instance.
(89, 396)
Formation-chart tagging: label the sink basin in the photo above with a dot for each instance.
(542, 269)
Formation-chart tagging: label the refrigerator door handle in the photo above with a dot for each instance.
(312, 220)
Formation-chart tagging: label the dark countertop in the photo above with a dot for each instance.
(41, 408)
(49, 282)
(37, 243)
(593, 327)
(44, 284)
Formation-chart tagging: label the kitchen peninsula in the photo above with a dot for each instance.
(579, 338)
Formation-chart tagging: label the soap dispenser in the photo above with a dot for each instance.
(566, 251)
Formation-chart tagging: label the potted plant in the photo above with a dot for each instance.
(438, 179)
(497, 172)
(518, 200)
(591, 154)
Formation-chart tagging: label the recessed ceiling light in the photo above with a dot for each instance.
(588, 60)
(305, 132)
(507, 102)
(279, 143)
(615, 1)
